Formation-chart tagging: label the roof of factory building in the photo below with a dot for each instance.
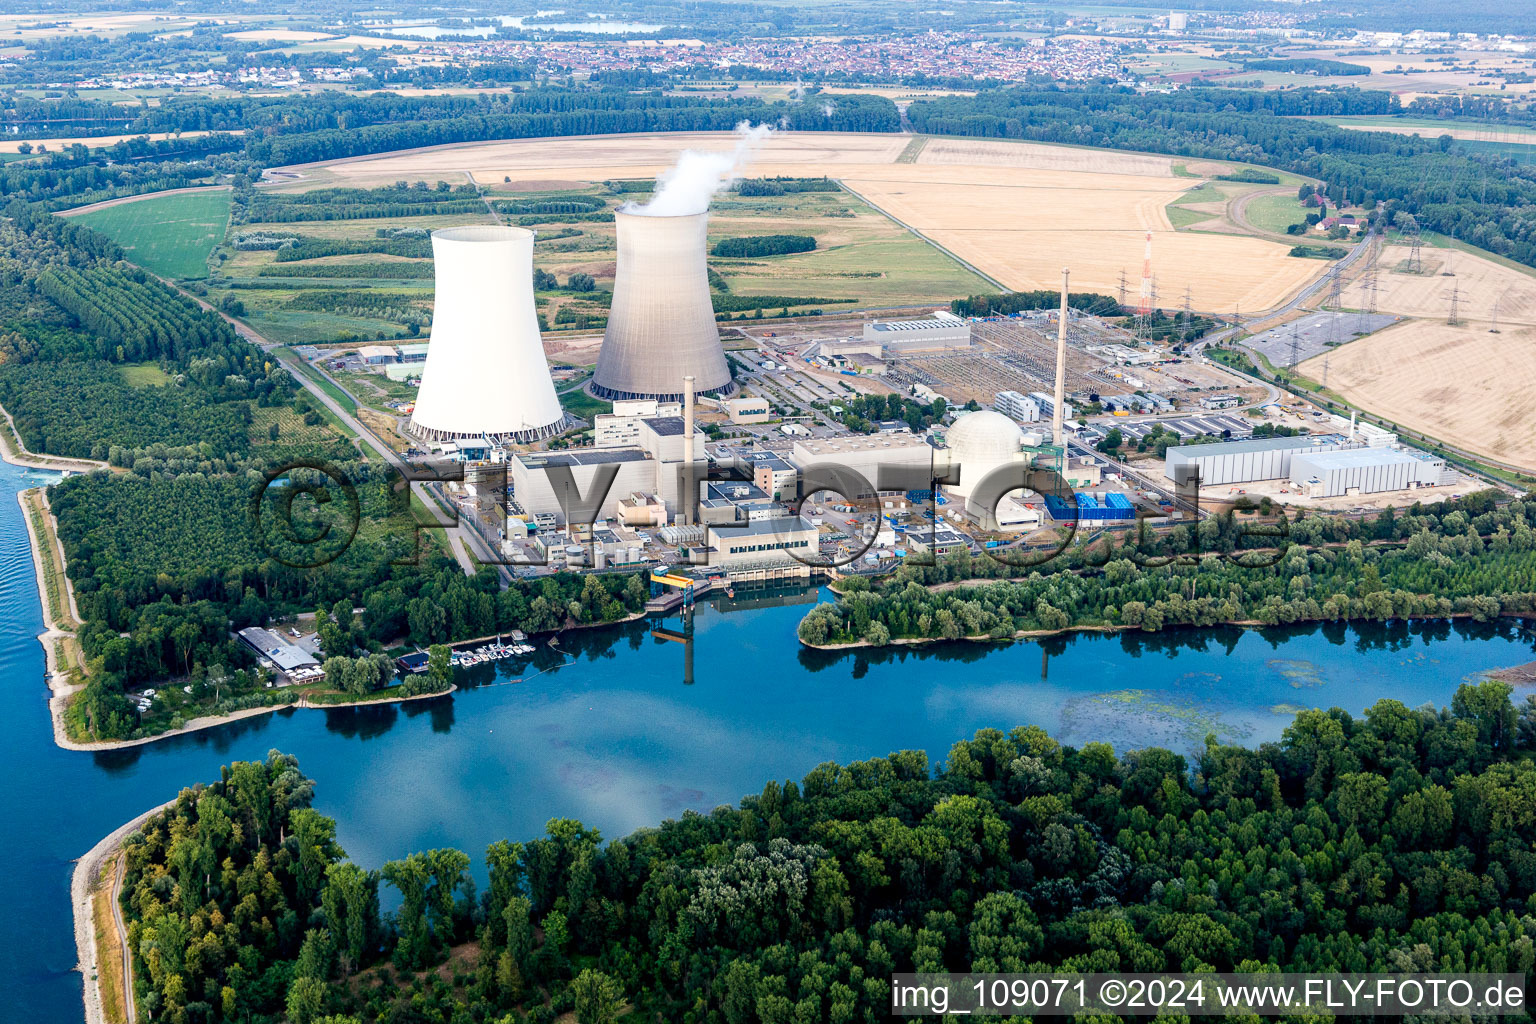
(916, 325)
(665, 426)
(736, 490)
(861, 443)
(1256, 444)
(283, 654)
(1348, 457)
(755, 527)
(590, 457)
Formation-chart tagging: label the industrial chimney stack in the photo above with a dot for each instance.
(1058, 397)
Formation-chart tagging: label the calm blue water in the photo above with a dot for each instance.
(616, 738)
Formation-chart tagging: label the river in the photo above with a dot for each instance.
(610, 733)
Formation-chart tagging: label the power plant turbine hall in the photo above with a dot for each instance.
(485, 374)
(661, 325)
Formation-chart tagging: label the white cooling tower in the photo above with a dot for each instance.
(485, 374)
(661, 326)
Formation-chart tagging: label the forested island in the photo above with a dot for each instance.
(1401, 840)
(1467, 557)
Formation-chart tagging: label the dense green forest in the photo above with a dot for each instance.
(1401, 840)
(165, 562)
(1464, 557)
(1307, 66)
(1484, 200)
(764, 245)
(1007, 303)
(74, 314)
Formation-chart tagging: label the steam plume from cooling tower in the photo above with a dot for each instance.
(692, 182)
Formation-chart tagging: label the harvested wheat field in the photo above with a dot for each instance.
(1017, 212)
(1468, 387)
(1477, 282)
(999, 153)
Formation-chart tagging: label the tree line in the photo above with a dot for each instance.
(764, 245)
(1453, 558)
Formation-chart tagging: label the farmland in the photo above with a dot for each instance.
(1016, 212)
(1464, 385)
(1477, 281)
(168, 235)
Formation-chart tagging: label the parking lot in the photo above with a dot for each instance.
(1315, 334)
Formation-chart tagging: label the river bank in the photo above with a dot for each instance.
(1106, 628)
(84, 885)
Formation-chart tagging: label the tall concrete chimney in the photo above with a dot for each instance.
(1059, 396)
(1351, 424)
(685, 501)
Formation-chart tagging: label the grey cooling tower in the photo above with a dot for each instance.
(661, 326)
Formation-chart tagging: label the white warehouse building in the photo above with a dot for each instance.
(1364, 471)
(941, 331)
(1240, 462)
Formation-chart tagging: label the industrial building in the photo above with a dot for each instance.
(1047, 405)
(485, 374)
(1240, 462)
(865, 454)
(661, 323)
(534, 490)
(1020, 407)
(747, 409)
(1364, 471)
(290, 661)
(764, 541)
(1013, 515)
(1214, 402)
(416, 352)
(774, 476)
(378, 355)
(979, 443)
(941, 331)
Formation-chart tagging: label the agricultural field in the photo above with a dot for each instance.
(1275, 213)
(1463, 385)
(1016, 212)
(93, 141)
(168, 235)
(1431, 128)
(1478, 281)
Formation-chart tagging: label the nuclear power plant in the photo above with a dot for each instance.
(661, 325)
(485, 375)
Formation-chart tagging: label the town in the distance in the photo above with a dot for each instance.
(757, 513)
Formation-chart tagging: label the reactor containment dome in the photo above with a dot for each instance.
(661, 325)
(980, 442)
(485, 374)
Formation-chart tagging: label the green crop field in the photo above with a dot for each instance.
(170, 236)
(1276, 213)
